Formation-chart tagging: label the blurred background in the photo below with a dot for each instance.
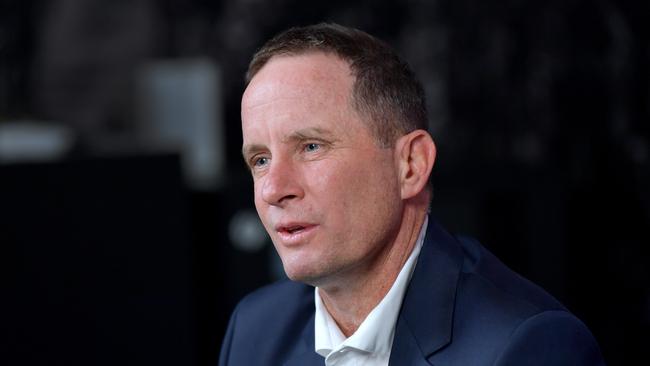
(127, 226)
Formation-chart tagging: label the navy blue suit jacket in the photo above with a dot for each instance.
(462, 307)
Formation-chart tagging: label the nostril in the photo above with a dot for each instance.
(288, 197)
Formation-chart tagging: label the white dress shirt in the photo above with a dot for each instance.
(371, 344)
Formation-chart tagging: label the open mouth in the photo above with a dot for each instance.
(295, 233)
(292, 229)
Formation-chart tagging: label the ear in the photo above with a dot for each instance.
(415, 154)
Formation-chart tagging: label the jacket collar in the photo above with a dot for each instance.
(424, 324)
(425, 320)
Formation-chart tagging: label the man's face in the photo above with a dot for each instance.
(325, 192)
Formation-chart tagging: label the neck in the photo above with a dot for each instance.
(351, 298)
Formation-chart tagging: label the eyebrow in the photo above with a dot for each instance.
(309, 133)
(248, 150)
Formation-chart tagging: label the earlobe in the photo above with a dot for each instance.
(417, 154)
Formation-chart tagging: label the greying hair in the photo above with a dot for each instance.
(385, 92)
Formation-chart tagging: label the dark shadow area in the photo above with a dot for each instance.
(127, 226)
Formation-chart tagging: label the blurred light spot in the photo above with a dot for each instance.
(246, 231)
(180, 109)
(32, 141)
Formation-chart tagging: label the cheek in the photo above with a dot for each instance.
(351, 189)
(260, 205)
(331, 182)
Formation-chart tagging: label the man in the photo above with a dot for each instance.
(334, 129)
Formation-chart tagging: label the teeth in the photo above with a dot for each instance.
(294, 229)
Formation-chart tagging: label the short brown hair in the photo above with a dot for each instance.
(385, 89)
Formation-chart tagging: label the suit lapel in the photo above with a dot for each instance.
(304, 354)
(406, 350)
(425, 321)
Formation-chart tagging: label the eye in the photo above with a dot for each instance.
(312, 146)
(260, 161)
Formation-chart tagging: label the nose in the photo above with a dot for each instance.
(281, 184)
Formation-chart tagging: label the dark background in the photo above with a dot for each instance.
(110, 254)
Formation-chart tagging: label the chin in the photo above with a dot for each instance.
(309, 276)
(299, 276)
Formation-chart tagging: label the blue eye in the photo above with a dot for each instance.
(312, 147)
(260, 161)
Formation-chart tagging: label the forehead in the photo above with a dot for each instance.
(313, 76)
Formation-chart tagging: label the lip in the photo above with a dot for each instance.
(295, 233)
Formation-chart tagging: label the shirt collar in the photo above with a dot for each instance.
(375, 334)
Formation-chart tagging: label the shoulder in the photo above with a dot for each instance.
(551, 338)
(272, 321)
(501, 314)
(276, 304)
(490, 285)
